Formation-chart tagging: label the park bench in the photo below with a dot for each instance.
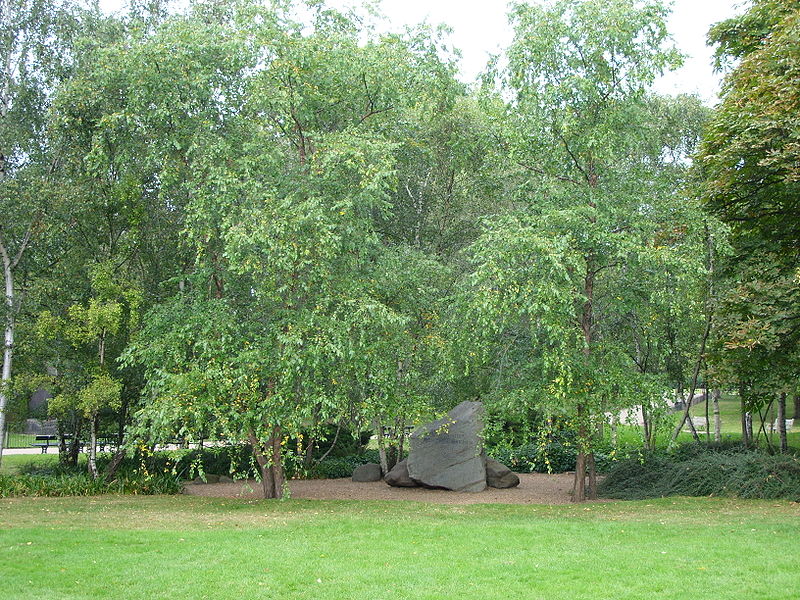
(43, 442)
(700, 423)
(789, 424)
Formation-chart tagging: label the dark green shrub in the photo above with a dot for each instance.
(553, 457)
(343, 466)
(188, 463)
(348, 443)
(695, 471)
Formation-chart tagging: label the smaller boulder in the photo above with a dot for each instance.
(398, 476)
(209, 478)
(367, 472)
(500, 476)
(225, 479)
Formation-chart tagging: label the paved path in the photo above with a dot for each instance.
(50, 450)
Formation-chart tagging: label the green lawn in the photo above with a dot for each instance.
(730, 414)
(12, 462)
(191, 548)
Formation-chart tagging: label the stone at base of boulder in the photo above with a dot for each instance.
(209, 479)
(500, 476)
(366, 473)
(398, 476)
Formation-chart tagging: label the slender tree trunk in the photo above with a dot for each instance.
(114, 464)
(708, 416)
(278, 476)
(715, 396)
(62, 448)
(308, 457)
(746, 431)
(267, 482)
(592, 472)
(93, 447)
(123, 416)
(613, 430)
(585, 459)
(782, 422)
(378, 427)
(8, 346)
(700, 355)
(75, 446)
(763, 416)
(797, 406)
(332, 446)
(748, 423)
(579, 485)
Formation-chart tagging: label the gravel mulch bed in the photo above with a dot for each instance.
(534, 488)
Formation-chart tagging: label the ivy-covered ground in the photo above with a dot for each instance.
(181, 547)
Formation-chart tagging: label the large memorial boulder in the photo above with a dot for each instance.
(398, 476)
(500, 476)
(367, 472)
(447, 453)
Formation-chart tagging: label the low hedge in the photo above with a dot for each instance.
(698, 471)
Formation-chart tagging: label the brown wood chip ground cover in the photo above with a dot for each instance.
(534, 488)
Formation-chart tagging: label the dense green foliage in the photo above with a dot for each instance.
(731, 471)
(269, 224)
(748, 172)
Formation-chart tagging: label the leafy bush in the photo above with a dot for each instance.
(81, 484)
(342, 466)
(553, 457)
(347, 442)
(697, 471)
(224, 460)
(188, 463)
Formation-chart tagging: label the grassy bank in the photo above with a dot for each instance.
(189, 547)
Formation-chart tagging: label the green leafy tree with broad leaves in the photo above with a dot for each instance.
(36, 52)
(554, 281)
(751, 179)
(272, 142)
(111, 312)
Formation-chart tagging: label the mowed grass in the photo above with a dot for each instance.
(730, 415)
(190, 548)
(12, 462)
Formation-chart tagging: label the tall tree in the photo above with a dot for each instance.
(598, 204)
(271, 140)
(36, 40)
(749, 162)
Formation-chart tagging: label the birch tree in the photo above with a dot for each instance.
(35, 55)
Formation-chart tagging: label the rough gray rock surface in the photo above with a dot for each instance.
(398, 476)
(500, 476)
(367, 472)
(447, 453)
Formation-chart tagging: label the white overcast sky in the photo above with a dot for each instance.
(480, 28)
